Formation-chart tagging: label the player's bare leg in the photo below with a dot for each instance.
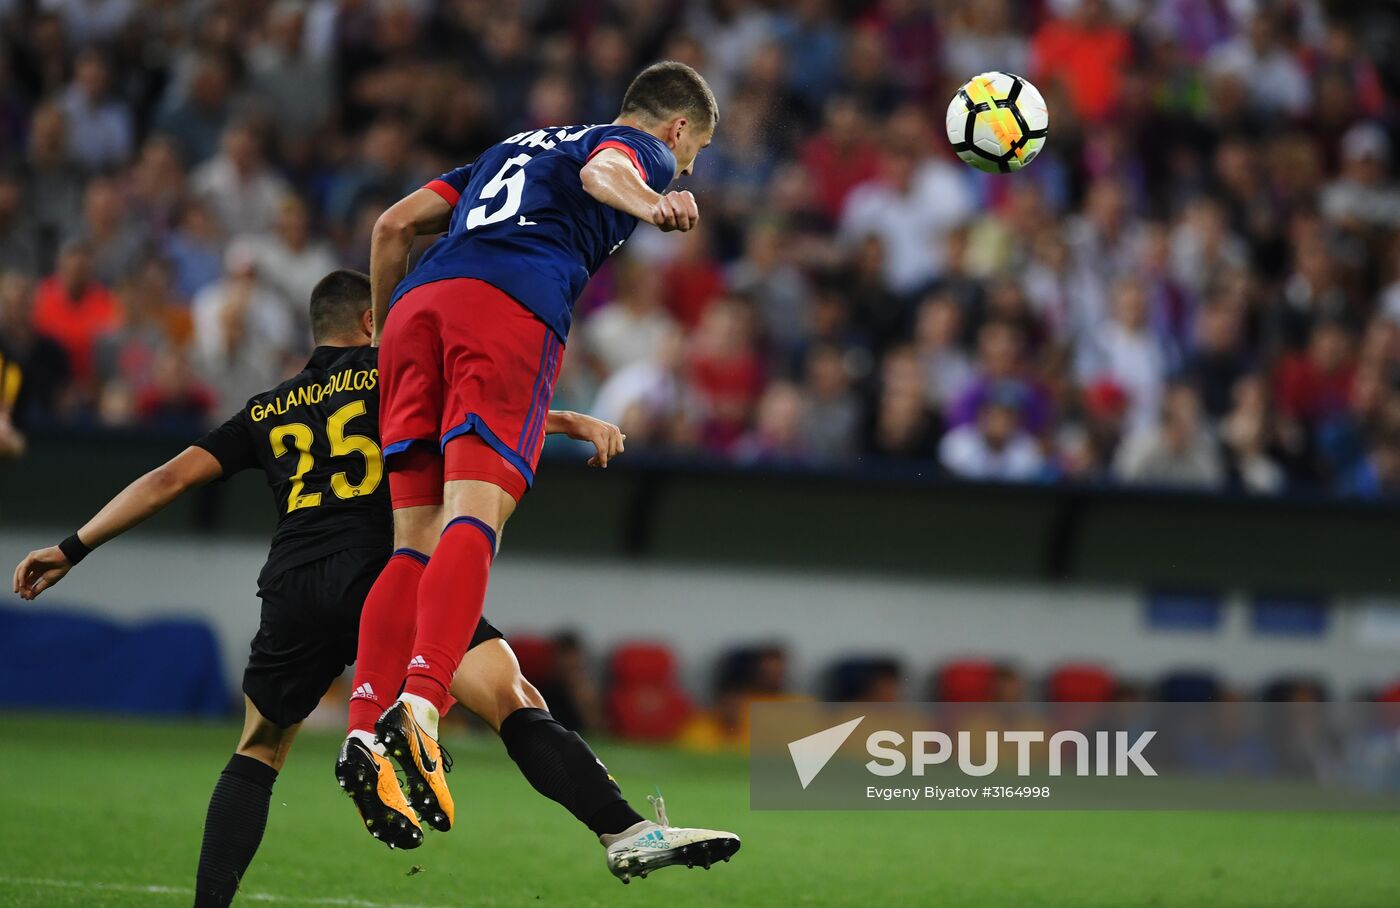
(418, 527)
(485, 501)
(237, 816)
(563, 768)
(490, 684)
(263, 740)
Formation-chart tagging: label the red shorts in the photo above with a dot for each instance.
(460, 359)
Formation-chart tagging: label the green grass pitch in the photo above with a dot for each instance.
(109, 813)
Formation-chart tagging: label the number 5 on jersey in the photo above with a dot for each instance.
(341, 445)
(511, 179)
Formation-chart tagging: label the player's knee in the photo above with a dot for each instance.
(486, 501)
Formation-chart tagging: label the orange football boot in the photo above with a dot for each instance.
(424, 761)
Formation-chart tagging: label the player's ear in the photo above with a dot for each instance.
(367, 322)
(678, 127)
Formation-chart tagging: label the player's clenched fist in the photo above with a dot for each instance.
(606, 438)
(675, 211)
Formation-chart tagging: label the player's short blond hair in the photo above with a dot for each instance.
(671, 89)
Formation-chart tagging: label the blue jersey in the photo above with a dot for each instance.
(522, 222)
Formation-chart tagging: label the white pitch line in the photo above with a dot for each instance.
(96, 886)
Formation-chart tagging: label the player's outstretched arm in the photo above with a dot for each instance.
(606, 438)
(421, 212)
(143, 498)
(612, 179)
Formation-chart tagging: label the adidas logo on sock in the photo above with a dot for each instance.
(363, 692)
(417, 662)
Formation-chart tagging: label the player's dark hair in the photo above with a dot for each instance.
(671, 89)
(338, 302)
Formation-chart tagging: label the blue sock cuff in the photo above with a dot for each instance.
(411, 553)
(481, 525)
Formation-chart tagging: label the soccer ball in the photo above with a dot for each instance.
(997, 122)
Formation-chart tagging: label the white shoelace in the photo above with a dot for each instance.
(658, 804)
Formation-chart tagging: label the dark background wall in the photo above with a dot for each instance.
(897, 525)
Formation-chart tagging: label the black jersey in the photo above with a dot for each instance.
(316, 439)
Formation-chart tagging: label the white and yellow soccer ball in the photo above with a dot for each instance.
(997, 122)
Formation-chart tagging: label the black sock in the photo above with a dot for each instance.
(233, 829)
(563, 768)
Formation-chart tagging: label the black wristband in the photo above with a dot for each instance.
(74, 549)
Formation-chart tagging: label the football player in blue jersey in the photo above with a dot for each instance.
(471, 341)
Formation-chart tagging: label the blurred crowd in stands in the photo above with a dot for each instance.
(1196, 284)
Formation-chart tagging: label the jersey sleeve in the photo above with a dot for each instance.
(451, 184)
(648, 154)
(232, 445)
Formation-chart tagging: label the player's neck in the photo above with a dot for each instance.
(339, 341)
(654, 129)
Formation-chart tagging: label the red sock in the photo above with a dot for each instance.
(450, 600)
(386, 637)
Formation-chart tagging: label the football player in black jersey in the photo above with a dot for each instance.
(315, 438)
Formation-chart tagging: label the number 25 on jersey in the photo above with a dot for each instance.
(300, 438)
